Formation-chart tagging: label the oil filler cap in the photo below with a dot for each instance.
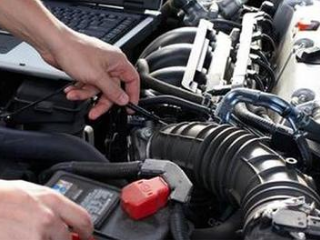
(143, 198)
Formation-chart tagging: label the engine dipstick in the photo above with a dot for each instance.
(145, 113)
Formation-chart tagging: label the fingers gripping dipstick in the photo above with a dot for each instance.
(145, 113)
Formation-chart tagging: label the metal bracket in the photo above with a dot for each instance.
(296, 217)
(219, 61)
(243, 56)
(197, 55)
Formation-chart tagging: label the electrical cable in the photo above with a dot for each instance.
(268, 69)
(260, 54)
(270, 41)
(258, 82)
(8, 115)
(145, 113)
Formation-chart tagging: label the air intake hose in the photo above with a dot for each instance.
(232, 164)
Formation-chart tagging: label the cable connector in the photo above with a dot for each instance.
(177, 180)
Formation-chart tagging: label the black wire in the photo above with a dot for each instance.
(268, 69)
(259, 82)
(8, 115)
(269, 21)
(269, 40)
(260, 54)
(145, 113)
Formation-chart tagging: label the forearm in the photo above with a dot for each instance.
(97, 65)
(32, 22)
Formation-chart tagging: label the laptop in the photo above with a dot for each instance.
(123, 23)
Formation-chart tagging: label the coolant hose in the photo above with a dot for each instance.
(46, 148)
(297, 119)
(234, 165)
(246, 116)
(257, 98)
(162, 87)
(241, 111)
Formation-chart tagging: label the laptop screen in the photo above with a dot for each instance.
(142, 4)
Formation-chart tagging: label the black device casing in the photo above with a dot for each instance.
(113, 223)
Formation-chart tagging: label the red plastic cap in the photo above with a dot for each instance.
(144, 197)
(308, 25)
(75, 236)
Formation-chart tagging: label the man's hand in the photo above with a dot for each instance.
(98, 67)
(29, 211)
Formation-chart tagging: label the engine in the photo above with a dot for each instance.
(227, 130)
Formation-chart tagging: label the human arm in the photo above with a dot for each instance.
(96, 65)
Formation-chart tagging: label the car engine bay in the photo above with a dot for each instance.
(225, 143)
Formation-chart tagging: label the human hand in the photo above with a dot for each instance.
(29, 211)
(97, 66)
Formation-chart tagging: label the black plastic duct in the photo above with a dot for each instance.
(170, 75)
(232, 164)
(173, 55)
(45, 147)
(148, 81)
(176, 36)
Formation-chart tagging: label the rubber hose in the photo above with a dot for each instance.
(46, 148)
(178, 223)
(225, 231)
(313, 129)
(252, 119)
(97, 170)
(150, 82)
(257, 98)
(168, 99)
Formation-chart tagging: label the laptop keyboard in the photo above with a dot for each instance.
(109, 26)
